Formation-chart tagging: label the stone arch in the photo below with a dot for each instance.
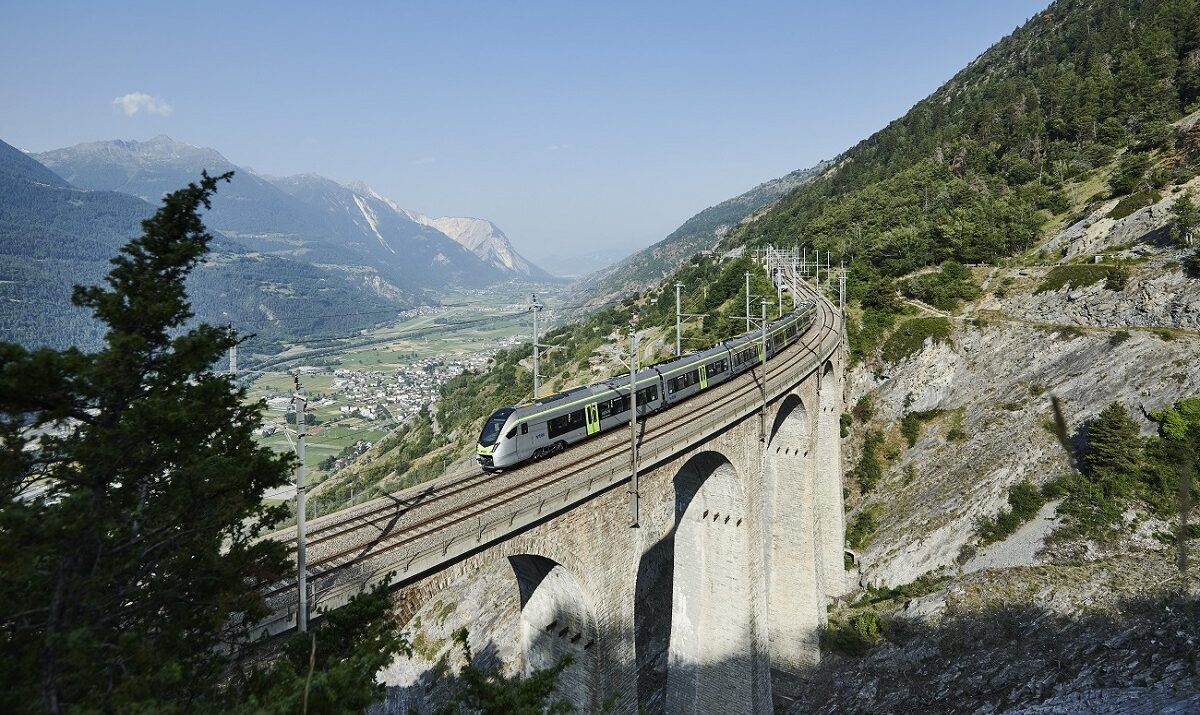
(694, 610)
(516, 606)
(557, 619)
(830, 521)
(794, 594)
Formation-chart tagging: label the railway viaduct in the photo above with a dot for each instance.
(722, 583)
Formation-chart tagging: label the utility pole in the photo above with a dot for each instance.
(301, 569)
(747, 301)
(634, 486)
(678, 316)
(764, 338)
(536, 307)
(779, 291)
(842, 287)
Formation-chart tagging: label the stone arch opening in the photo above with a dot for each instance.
(557, 620)
(523, 626)
(694, 613)
(794, 594)
(830, 520)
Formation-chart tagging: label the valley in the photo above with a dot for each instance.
(362, 388)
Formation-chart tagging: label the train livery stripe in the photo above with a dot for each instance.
(593, 418)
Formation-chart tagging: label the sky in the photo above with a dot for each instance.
(573, 126)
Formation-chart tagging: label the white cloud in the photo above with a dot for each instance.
(135, 102)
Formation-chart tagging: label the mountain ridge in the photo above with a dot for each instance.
(306, 216)
(54, 236)
(701, 232)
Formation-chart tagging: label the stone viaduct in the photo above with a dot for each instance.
(723, 582)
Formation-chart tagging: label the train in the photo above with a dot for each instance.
(516, 434)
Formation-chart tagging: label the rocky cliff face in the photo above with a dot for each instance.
(1030, 624)
(484, 239)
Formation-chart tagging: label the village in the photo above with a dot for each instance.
(350, 408)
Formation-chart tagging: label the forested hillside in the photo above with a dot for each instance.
(1025, 233)
(1021, 136)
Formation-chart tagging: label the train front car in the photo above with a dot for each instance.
(492, 451)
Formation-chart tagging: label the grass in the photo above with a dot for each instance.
(869, 469)
(1076, 276)
(1024, 501)
(910, 337)
(855, 630)
(861, 530)
(910, 426)
(1134, 202)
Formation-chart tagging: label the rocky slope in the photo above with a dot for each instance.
(486, 241)
(1034, 623)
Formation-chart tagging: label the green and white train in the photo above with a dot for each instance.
(518, 433)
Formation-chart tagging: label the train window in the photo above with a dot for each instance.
(716, 368)
(615, 406)
(511, 433)
(687, 379)
(524, 428)
(647, 395)
(744, 356)
(565, 423)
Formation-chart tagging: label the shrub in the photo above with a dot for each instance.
(1116, 278)
(869, 469)
(1134, 202)
(1119, 337)
(1075, 276)
(910, 337)
(855, 635)
(844, 422)
(945, 289)
(864, 409)
(1024, 501)
(1191, 265)
(861, 530)
(910, 426)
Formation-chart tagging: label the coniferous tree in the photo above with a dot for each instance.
(1114, 451)
(1185, 219)
(132, 502)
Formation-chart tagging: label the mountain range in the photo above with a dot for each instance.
(305, 216)
(54, 236)
(288, 251)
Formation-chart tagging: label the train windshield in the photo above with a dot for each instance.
(495, 423)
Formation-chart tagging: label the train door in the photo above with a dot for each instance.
(703, 378)
(592, 413)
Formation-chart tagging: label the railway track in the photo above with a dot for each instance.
(344, 542)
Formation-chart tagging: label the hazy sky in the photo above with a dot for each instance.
(571, 125)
